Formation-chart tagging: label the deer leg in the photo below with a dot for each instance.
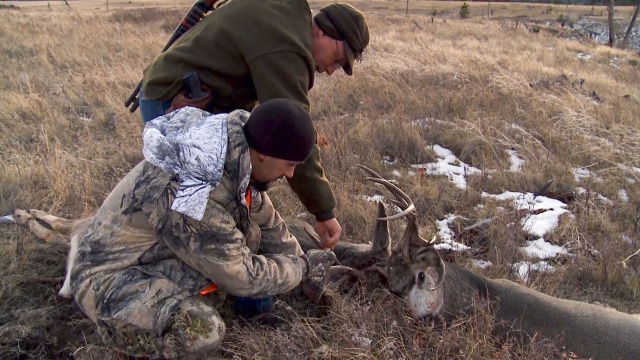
(335, 285)
(58, 224)
(346, 271)
(54, 230)
(378, 268)
(353, 290)
(320, 290)
(66, 292)
(40, 229)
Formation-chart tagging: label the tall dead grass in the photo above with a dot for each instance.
(477, 87)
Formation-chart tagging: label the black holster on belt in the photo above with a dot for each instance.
(193, 94)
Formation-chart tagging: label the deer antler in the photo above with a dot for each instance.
(411, 234)
(403, 201)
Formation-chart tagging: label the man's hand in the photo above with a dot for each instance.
(318, 262)
(329, 232)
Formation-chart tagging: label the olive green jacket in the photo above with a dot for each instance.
(136, 243)
(245, 52)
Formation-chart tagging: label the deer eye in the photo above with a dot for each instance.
(420, 277)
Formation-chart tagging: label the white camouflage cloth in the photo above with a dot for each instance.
(190, 144)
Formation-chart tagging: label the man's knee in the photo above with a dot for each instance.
(196, 330)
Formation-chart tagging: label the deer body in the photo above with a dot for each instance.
(587, 330)
(413, 272)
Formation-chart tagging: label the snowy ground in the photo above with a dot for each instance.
(541, 214)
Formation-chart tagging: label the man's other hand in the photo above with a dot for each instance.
(329, 232)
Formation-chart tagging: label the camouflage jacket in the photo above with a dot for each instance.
(136, 242)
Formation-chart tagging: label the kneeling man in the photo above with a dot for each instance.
(192, 216)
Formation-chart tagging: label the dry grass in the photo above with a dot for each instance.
(480, 87)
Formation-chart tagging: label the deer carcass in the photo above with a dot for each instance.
(415, 271)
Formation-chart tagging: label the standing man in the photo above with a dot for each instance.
(248, 51)
(194, 214)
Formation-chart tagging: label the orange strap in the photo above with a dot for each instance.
(247, 198)
(213, 287)
(209, 289)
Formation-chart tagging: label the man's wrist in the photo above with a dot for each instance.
(325, 215)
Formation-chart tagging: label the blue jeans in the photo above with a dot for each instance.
(151, 109)
(248, 308)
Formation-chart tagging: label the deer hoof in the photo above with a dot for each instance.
(66, 292)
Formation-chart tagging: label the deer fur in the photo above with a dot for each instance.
(55, 230)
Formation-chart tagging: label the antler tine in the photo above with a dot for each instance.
(399, 194)
(400, 204)
(347, 272)
(404, 201)
(369, 171)
(406, 205)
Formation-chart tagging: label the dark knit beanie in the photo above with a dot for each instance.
(343, 22)
(282, 129)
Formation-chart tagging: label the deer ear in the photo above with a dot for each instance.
(414, 236)
(381, 244)
(381, 269)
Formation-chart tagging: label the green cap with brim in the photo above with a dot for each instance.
(343, 22)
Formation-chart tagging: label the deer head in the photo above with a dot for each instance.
(414, 270)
